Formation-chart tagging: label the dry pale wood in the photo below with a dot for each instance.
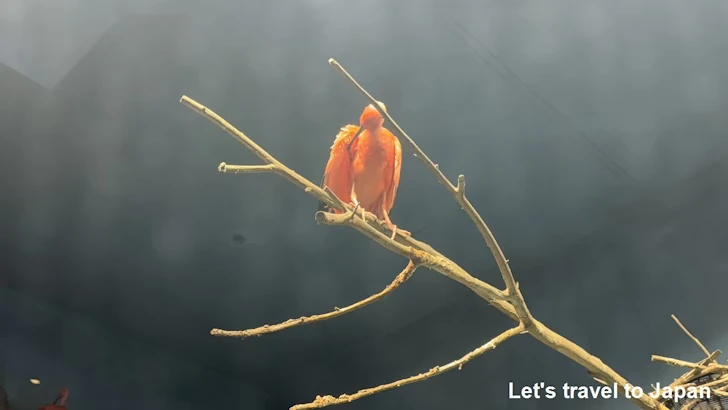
(676, 362)
(722, 381)
(509, 302)
(401, 278)
(715, 367)
(326, 401)
(704, 367)
(696, 372)
(717, 386)
(245, 169)
(598, 380)
(690, 335)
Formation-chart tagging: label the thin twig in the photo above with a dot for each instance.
(402, 277)
(690, 335)
(713, 367)
(245, 169)
(722, 380)
(676, 362)
(325, 401)
(600, 381)
(459, 193)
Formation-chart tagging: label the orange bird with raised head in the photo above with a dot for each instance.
(365, 165)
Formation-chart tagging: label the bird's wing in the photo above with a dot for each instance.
(397, 167)
(338, 175)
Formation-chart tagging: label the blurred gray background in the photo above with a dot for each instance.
(592, 134)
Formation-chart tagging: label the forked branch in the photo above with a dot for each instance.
(510, 301)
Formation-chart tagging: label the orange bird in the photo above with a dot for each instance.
(365, 165)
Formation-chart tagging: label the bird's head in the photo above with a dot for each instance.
(371, 117)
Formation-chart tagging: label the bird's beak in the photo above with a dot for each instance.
(358, 132)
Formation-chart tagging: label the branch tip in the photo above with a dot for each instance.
(401, 278)
(328, 400)
(690, 335)
(460, 189)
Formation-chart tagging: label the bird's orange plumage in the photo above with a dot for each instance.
(366, 169)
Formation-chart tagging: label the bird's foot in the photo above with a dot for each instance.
(357, 206)
(352, 212)
(393, 227)
(396, 231)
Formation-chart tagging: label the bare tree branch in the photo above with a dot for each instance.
(510, 302)
(690, 335)
(676, 362)
(707, 366)
(437, 263)
(325, 401)
(401, 278)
